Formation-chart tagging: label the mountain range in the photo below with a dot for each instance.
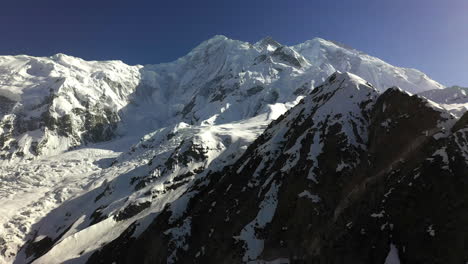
(234, 153)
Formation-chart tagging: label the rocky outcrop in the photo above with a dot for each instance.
(90, 124)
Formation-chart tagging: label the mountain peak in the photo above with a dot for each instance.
(347, 77)
(217, 42)
(398, 89)
(454, 99)
(315, 42)
(213, 41)
(218, 38)
(267, 43)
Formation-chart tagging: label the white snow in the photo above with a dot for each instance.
(430, 230)
(336, 57)
(306, 194)
(341, 166)
(29, 190)
(443, 154)
(454, 99)
(253, 245)
(378, 215)
(392, 257)
(178, 238)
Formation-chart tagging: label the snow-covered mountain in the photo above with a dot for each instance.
(318, 187)
(331, 56)
(95, 153)
(453, 98)
(54, 104)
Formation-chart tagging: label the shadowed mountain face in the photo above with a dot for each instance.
(242, 153)
(346, 176)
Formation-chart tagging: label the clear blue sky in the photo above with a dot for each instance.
(430, 35)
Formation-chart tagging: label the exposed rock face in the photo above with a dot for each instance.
(54, 104)
(326, 183)
(289, 56)
(91, 124)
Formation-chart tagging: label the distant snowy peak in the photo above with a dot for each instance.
(267, 44)
(449, 95)
(454, 98)
(325, 57)
(331, 56)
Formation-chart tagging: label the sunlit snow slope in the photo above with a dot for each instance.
(453, 98)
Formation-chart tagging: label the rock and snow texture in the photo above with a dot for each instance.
(95, 153)
(52, 104)
(291, 145)
(449, 95)
(268, 205)
(330, 56)
(138, 185)
(453, 98)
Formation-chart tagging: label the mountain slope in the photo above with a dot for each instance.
(325, 97)
(453, 98)
(53, 104)
(331, 56)
(357, 206)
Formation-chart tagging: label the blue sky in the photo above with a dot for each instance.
(430, 35)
